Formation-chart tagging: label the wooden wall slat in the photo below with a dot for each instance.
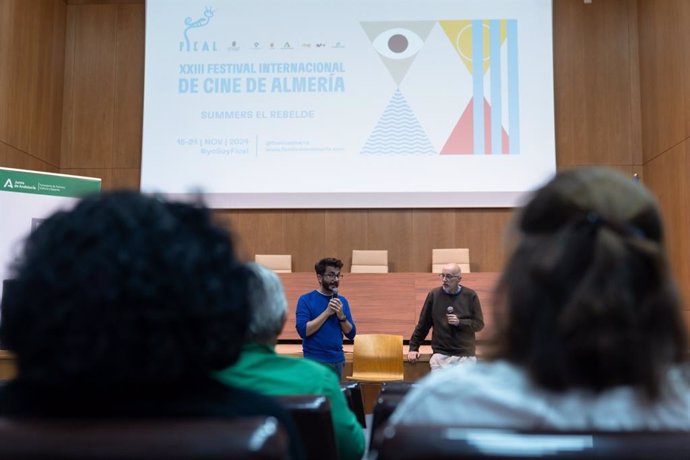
(390, 229)
(594, 74)
(306, 238)
(129, 87)
(665, 105)
(89, 113)
(345, 230)
(667, 175)
(662, 80)
(31, 81)
(432, 229)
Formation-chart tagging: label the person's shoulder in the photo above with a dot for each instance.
(311, 371)
(468, 291)
(476, 375)
(436, 291)
(307, 295)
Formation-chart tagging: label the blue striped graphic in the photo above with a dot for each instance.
(478, 84)
(513, 88)
(495, 66)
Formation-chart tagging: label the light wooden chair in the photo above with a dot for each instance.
(279, 263)
(441, 257)
(377, 358)
(368, 261)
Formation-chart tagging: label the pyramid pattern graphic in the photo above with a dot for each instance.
(398, 132)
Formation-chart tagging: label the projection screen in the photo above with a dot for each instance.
(348, 104)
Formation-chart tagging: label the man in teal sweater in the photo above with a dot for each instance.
(263, 370)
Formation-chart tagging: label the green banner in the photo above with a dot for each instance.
(38, 183)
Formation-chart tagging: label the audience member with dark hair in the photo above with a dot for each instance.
(323, 317)
(590, 334)
(122, 307)
(262, 369)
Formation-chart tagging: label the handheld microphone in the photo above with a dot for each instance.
(449, 309)
(334, 293)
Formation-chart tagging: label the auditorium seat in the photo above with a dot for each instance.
(396, 387)
(385, 404)
(369, 261)
(377, 358)
(421, 442)
(244, 438)
(279, 263)
(312, 416)
(441, 257)
(353, 395)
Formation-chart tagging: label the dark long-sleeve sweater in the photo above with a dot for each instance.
(446, 339)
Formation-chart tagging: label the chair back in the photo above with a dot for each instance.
(242, 438)
(279, 263)
(355, 401)
(377, 358)
(312, 417)
(400, 388)
(369, 261)
(383, 408)
(441, 257)
(417, 442)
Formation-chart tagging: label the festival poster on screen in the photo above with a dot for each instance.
(442, 103)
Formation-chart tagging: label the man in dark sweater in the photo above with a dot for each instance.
(455, 314)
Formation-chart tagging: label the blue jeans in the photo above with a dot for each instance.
(335, 367)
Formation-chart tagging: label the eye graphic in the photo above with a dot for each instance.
(398, 43)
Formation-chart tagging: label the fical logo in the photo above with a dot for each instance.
(8, 183)
(192, 45)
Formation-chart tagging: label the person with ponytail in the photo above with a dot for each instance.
(589, 332)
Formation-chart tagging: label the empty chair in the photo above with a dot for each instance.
(279, 263)
(369, 261)
(441, 257)
(312, 416)
(421, 442)
(242, 438)
(377, 358)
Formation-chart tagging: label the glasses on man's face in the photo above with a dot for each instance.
(333, 276)
(447, 276)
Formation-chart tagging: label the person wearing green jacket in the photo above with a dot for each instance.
(265, 371)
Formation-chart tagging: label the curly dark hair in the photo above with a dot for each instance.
(320, 266)
(587, 298)
(125, 288)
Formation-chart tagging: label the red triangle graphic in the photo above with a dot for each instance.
(461, 140)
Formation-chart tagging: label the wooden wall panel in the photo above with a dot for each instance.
(432, 229)
(103, 92)
(665, 95)
(129, 87)
(663, 82)
(685, 39)
(261, 232)
(596, 92)
(306, 238)
(346, 230)
(31, 80)
(11, 157)
(391, 229)
(88, 117)
(667, 175)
